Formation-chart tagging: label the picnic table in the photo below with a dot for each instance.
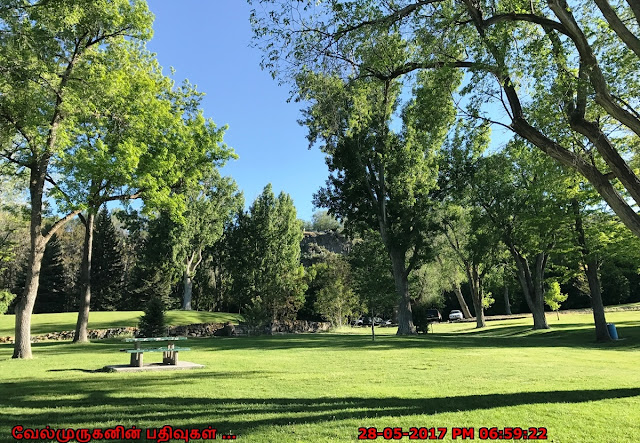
(169, 351)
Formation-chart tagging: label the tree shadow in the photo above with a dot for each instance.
(97, 402)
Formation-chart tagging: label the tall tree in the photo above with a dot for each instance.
(475, 246)
(52, 292)
(448, 267)
(210, 206)
(380, 178)
(523, 195)
(335, 299)
(48, 51)
(156, 269)
(107, 269)
(601, 242)
(265, 263)
(373, 278)
(147, 138)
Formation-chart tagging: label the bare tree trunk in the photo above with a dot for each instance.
(188, 291)
(187, 277)
(507, 303)
(405, 316)
(463, 304)
(82, 324)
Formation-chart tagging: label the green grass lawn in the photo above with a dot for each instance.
(45, 323)
(323, 387)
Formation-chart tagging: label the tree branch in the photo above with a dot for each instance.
(530, 18)
(58, 224)
(386, 20)
(618, 26)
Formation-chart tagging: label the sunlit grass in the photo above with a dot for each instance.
(322, 387)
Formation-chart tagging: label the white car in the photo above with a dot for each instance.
(455, 315)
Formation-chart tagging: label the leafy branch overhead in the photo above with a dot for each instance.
(533, 67)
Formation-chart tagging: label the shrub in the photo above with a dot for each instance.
(152, 323)
(256, 317)
(6, 298)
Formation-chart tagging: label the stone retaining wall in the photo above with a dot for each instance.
(93, 334)
(299, 326)
(193, 330)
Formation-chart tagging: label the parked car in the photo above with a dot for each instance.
(455, 315)
(366, 321)
(433, 315)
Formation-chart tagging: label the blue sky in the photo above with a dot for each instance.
(208, 42)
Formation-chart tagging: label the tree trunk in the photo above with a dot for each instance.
(539, 317)
(591, 271)
(476, 293)
(85, 283)
(188, 291)
(24, 307)
(405, 316)
(187, 277)
(475, 283)
(479, 309)
(507, 303)
(373, 331)
(532, 287)
(602, 332)
(463, 304)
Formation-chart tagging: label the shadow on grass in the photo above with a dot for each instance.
(503, 336)
(499, 337)
(94, 401)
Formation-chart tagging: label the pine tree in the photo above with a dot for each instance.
(107, 269)
(156, 270)
(52, 292)
(152, 323)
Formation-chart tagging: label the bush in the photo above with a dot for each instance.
(6, 298)
(152, 323)
(256, 317)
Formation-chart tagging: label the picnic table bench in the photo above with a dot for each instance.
(169, 352)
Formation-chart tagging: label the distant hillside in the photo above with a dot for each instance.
(316, 244)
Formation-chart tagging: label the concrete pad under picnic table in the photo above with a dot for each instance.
(153, 367)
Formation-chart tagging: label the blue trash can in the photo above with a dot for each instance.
(612, 331)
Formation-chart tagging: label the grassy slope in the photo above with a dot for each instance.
(323, 387)
(44, 323)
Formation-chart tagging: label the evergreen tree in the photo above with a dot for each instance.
(156, 269)
(52, 292)
(265, 258)
(107, 269)
(152, 323)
